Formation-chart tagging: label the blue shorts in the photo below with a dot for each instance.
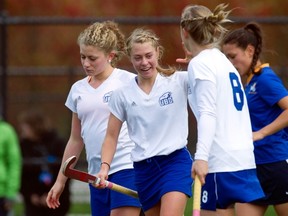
(223, 190)
(273, 178)
(159, 175)
(102, 201)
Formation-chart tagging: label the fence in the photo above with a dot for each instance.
(47, 86)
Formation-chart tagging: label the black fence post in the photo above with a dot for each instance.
(3, 64)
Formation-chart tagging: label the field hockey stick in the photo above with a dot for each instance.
(86, 177)
(196, 196)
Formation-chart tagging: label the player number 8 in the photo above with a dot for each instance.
(238, 95)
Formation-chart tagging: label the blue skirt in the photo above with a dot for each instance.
(221, 190)
(159, 175)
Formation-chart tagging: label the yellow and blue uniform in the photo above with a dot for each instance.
(264, 91)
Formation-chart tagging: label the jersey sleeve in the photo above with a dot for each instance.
(206, 105)
(183, 79)
(116, 105)
(126, 76)
(70, 103)
(270, 87)
(202, 71)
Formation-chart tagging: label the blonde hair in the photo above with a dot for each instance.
(205, 27)
(141, 35)
(105, 36)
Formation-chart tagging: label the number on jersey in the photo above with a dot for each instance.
(238, 95)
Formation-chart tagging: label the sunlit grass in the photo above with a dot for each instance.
(270, 211)
(84, 208)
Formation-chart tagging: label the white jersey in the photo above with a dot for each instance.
(91, 106)
(158, 121)
(219, 104)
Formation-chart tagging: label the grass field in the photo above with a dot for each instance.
(188, 212)
(80, 209)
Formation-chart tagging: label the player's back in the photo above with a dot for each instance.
(232, 147)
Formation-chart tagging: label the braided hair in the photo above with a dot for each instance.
(250, 34)
(203, 25)
(105, 36)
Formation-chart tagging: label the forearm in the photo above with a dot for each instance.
(110, 142)
(73, 148)
(108, 150)
(278, 124)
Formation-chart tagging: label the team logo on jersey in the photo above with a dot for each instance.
(166, 99)
(107, 96)
(253, 89)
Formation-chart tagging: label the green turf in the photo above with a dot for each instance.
(188, 212)
(76, 208)
(84, 208)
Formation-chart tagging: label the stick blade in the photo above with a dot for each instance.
(86, 177)
(76, 174)
(67, 164)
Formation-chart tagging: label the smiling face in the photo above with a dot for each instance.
(94, 61)
(144, 58)
(241, 59)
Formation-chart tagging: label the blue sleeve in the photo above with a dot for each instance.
(270, 87)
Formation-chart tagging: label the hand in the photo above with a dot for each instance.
(200, 168)
(102, 177)
(188, 56)
(54, 194)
